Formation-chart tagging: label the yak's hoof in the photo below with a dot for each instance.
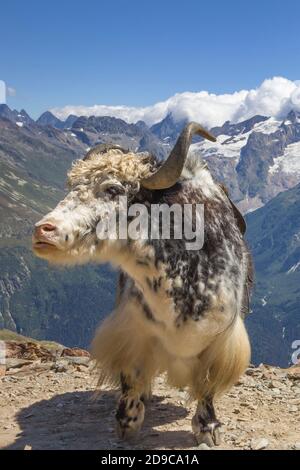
(130, 416)
(146, 397)
(208, 434)
(210, 438)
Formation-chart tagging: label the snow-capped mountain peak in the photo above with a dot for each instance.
(256, 159)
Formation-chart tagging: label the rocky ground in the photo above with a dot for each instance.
(47, 402)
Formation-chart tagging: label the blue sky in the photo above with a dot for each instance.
(137, 53)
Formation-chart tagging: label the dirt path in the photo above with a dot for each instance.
(44, 408)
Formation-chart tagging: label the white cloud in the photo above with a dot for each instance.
(11, 91)
(274, 97)
(2, 92)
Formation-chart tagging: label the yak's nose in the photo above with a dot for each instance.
(44, 230)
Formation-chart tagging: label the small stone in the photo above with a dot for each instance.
(294, 372)
(252, 407)
(275, 384)
(268, 398)
(79, 360)
(16, 363)
(60, 366)
(27, 447)
(296, 446)
(259, 444)
(293, 409)
(75, 352)
(203, 446)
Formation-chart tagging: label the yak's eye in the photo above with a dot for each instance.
(114, 190)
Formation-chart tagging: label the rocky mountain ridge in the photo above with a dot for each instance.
(273, 235)
(256, 158)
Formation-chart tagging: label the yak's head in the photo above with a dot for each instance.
(68, 234)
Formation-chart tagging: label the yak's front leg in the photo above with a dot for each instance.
(131, 409)
(205, 425)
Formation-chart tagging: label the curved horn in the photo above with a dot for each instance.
(168, 174)
(102, 148)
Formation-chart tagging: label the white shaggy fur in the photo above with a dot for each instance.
(206, 356)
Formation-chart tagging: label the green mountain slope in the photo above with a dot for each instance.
(35, 299)
(50, 303)
(274, 237)
(33, 166)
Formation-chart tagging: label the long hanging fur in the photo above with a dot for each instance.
(178, 312)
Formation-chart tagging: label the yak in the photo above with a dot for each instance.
(178, 311)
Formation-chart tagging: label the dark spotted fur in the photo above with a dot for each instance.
(206, 265)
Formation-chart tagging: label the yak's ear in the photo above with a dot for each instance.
(241, 223)
(103, 148)
(239, 218)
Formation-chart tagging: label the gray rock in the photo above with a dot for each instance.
(293, 409)
(15, 363)
(60, 366)
(204, 446)
(259, 444)
(79, 360)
